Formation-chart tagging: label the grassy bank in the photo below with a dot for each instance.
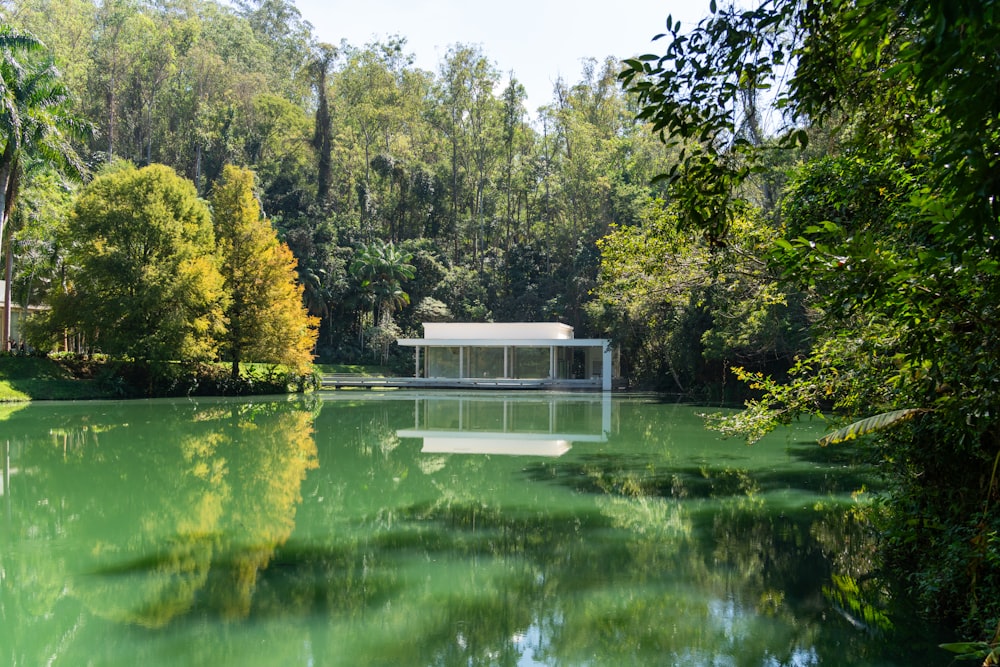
(353, 369)
(73, 378)
(43, 379)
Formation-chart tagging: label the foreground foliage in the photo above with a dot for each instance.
(890, 238)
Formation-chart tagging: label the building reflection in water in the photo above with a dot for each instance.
(535, 424)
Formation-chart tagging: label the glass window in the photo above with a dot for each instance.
(442, 362)
(485, 362)
(531, 362)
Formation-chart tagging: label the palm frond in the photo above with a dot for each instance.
(868, 425)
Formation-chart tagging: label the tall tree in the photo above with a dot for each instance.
(112, 40)
(66, 27)
(278, 24)
(146, 283)
(514, 149)
(267, 319)
(464, 103)
(38, 125)
(323, 136)
(380, 109)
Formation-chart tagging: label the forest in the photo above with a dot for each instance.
(405, 195)
(797, 200)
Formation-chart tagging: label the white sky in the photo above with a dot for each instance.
(540, 40)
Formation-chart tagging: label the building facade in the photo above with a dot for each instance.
(18, 316)
(543, 354)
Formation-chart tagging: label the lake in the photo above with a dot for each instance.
(403, 528)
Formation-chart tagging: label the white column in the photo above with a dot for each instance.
(552, 362)
(461, 363)
(416, 362)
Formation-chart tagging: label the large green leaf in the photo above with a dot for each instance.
(869, 425)
(970, 650)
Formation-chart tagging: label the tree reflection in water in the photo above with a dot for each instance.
(145, 512)
(656, 545)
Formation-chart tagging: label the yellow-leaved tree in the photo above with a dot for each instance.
(267, 321)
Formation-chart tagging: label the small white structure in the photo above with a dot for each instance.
(17, 317)
(543, 354)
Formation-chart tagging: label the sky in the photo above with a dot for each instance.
(539, 40)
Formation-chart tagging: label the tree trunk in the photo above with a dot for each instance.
(8, 274)
(5, 177)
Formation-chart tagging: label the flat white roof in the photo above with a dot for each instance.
(497, 330)
(502, 342)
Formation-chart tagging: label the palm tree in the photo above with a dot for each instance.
(381, 269)
(36, 123)
(13, 44)
(315, 294)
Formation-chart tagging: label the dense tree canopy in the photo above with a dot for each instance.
(825, 220)
(353, 145)
(145, 282)
(887, 232)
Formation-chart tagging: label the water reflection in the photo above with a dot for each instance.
(515, 425)
(260, 533)
(139, 514)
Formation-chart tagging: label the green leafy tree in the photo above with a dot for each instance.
(145, 281)
(65, 27)
(467, 115)
(893, 243)
(274, 140)
(383, 138)
(38, 236)
(267, 320)
(278, 25)
(115, 31)
(516, 144)
(682, 313)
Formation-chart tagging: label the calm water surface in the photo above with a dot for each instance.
(433, 529)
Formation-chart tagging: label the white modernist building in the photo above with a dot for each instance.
(541, 354)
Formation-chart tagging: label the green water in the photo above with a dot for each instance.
(362, 528)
